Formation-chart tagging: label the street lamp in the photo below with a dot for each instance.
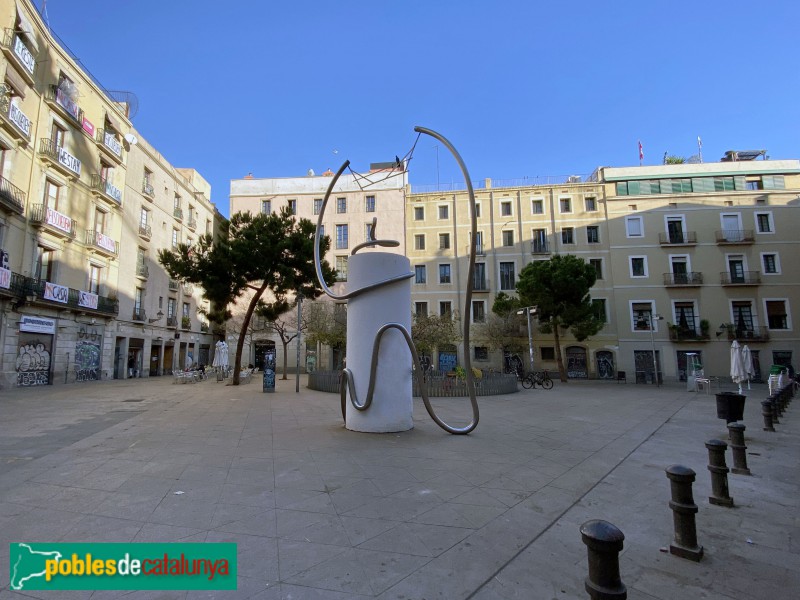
(527, 310)
(655, 317)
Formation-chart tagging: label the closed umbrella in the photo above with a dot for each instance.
(217, 355)
(737, 365)
(189, 361)
(747, 360)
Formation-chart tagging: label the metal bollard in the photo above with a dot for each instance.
(773, 404)
(683, 510)
(766, 412)
(738, 448)
(719, 473)
(603, 544)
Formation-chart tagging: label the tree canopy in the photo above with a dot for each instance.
(431, 332)
(559, 288)
(262, 252)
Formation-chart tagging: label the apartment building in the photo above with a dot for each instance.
(69, 204)
(355, 201)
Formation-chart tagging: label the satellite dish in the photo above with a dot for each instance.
(131, 139)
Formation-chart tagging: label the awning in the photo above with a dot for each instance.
(15, 80)
(26, 29)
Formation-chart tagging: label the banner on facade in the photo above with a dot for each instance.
(5, 278)
(37, 325)
(87, 299)
(56, 293)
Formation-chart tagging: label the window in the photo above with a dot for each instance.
(292, 204)
(176, 202)
(478, 311)
(172, 305)
(367, 231)
(94, 279)
(99, 220)
(420, 309)
(58, 135)
(638, 266)
(444, 241)
(742, 316)
(770, 262)
(185, 313)
(680, 270)
(539, 241)
(505, 208)
(266, 207)
(317, 205)
(736, 268)
(508, 238)
(341, 205)
(481, 353)
(478, 242)
(144, 218)
(321, 231)
(634, 227)
(444, 274)
(341, 268)
(444, 212)
(52, 192)
(477, 210)
(341, 237)
(419, 213)
(141, 256)
(420, 274)
(567, 235)
(592, 234)
(369, 204)
(776, 314)
(537, 207)
(641, 312)
(591, 204)
(507, 276)
(565, 205)
(547, 353)
(138, 299)
(419, 241)
(148, 181)
(208, 226)
(764, 223)
(446, 309)
(599, 308)
(597, 263)
(479, 277)
(175, 239)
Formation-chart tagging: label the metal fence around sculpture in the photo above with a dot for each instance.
(439, 384)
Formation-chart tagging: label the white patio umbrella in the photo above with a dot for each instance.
(189, 361)
(747, 360)
(217, 355)
(224, 355)
(737, 365)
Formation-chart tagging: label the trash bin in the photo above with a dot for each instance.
(269, 372)
(730, 406)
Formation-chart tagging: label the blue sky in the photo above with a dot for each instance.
(521, 88)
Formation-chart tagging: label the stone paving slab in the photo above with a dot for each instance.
(320, 512)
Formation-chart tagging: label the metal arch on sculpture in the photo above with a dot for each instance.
(347, 374)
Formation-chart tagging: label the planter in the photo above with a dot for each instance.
(730, 406)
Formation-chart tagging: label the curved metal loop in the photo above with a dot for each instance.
(346, 384)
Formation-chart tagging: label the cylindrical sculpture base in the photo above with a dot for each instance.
(392, 406)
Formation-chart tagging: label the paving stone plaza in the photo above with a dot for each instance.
(319, 512)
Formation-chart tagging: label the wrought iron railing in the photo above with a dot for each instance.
(172, 321)
(11, 195)
(139, 314)
(677, 238)
(59, 156)
(105, 187)
(540, 247)
(35, 289)
(173, 285)
(192, 224)
(109, 142)
(178, 213)
(101, 241)
(735, 236)
(689, 278)
(145, 231)
(142, 271)
(742, 278)
(753, 333)
(39, 216)
(147, 189)
(69, 107)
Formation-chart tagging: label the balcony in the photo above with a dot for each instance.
(14, 120)
(728, 237)
(110, 145)
(203, 327)
(45, 293)
(145, 232)
(53, 221)
(139, 314)
(743, 278)
(540, 247)
(12, 199)
(106, 190)
(192, 224)
(678, 238)
(59, 158)
(17, 51)
(747, 334)
(173, 285)
(480, 250)
(687, 334)
(63, 104)
(480, 286)
(172, 321)
(186, 323)
(12, 284)
(691, 279)
(101, 243)
(178, 213)
(148, 191)
(142, 271)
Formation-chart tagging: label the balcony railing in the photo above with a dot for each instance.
(172, 321)
(11, 196)
(173, 285)
(18, 122)
(540, 247)
(687, 334)
(678, 238)
(106, 189)
(139, 314)
(59, 157)
(752, 334)
(12, 284)
(735, 236)
(15, 47)
(142, 271)
(683, 279)
(203, 327)
(178, 213)
(147, 190)
(480, 250)
(109, 142)
(145, 232)
(480, 285)
(192, 224)
(76, 299)
(66, 105)
(186, 323)
(743, 278)
(102, 242)
(56, 222)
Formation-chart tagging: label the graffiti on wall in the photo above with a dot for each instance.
(33, 362)
(87, 355)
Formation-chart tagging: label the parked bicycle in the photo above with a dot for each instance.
(542, 378)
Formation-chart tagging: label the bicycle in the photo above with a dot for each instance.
(542, 378)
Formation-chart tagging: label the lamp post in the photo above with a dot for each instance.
(527, 310)
(655, 317)
(297, 356)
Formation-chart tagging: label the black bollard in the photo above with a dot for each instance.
(719, 473)
(766, 412)
(683, 512)
(773, 404)
(738, 448)
(603, 544)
